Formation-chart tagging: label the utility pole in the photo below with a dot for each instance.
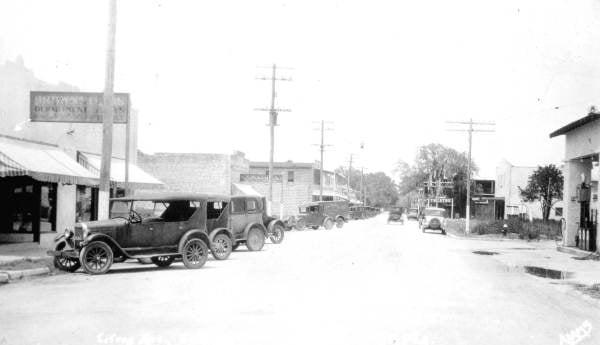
(470, 130)
(272, 123)
(108, 114)
(362, 188)
(322, 149)
(349, 174)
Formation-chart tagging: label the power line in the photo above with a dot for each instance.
(272, 121)
(470, 130)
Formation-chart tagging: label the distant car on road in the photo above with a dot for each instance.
(413, 213)
(434, 218)
(396, 215)
(323, 213)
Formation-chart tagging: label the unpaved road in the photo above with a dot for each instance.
(368, 283)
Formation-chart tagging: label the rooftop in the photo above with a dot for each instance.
(591, 117)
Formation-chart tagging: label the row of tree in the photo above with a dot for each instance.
(379, 189)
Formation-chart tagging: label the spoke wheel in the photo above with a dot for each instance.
(328, 224)
(339, 223)
(163, 261)
(277, 234)
(64, 263)
(255, 240)
(195, 253)
(96, 258)
(300, 225)
(221, 247)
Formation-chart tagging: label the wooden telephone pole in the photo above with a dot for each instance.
(272, 123)
(322, 150)
(108, 114)
(470, 130)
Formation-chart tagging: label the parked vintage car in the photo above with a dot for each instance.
(434, 218)
(396, 215)
(323, 213)
(357, 212)
(160, 227)
(247, 218)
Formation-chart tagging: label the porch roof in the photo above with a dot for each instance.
(591, 117)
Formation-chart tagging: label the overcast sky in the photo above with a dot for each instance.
(386, 73)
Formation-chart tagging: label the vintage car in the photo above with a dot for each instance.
(413, 213)
(323, 213)
(357, 212)
(247, 218)
(396, 215)
(433, 218)
(160, 227)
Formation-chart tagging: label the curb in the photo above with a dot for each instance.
(573, 251)
(451, 235)
(8, 276)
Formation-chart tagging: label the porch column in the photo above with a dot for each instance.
(65, 206)
(573, 177)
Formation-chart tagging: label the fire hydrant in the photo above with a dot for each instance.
(504, 229)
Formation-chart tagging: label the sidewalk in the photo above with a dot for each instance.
(18, 260)
(574, 269)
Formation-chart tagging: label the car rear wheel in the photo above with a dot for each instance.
(65, 263)
(195, 253)
(221, 247)
(163, 261)
(255, 240)
(276, 235)
(328, 224)
(96, 257)
(339, 223)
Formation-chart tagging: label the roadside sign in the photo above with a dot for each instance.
(75, 107)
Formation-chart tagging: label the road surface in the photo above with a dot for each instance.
(368, 283)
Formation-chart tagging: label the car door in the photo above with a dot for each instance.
(237, 216)
(254, 210)
(169, 232)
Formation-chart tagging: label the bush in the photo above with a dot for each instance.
(525, 229)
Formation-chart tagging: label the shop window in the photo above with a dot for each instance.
(558, 211)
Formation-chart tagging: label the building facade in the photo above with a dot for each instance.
(582, 149)
(509, 180)
(49, 171)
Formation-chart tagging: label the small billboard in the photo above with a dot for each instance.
(84, 107)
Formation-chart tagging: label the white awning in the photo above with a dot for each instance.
(244, 189)
(138, 178)
(43, 162)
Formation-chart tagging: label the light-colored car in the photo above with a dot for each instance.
(434, 218)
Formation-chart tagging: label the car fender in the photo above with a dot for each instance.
(341, 216)
(251, 225)
(217, 231)
(194, 233)
(273, 223)
(107, 239)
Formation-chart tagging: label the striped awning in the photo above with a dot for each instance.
(138, 178)
(42, 162)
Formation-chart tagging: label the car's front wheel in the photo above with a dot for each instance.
(255, 240)
(96, 257)
(276, 235)
(195, 253)
(221, 247)
(65, 263)
(328, 224)
(163, 261)
(339, 223)
(300, 225)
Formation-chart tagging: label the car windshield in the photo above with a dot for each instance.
(434, 212)
(120, 209)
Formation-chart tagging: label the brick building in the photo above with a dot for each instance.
(195, 172)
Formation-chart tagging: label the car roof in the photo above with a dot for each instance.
(174, 196)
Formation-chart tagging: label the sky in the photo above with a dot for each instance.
(388, 74)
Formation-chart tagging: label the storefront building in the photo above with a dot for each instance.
(582, 147)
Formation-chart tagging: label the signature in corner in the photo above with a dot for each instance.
(577, 335)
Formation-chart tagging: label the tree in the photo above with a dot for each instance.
(435, 162)
(546, 185)
(380, 190)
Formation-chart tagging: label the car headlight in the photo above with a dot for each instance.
(69, 232)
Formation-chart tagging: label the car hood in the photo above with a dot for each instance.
(107, 226)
